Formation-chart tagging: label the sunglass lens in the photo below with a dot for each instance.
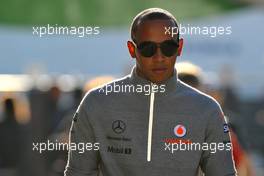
(147, 49)
(169, 48)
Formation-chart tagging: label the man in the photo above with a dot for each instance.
(141, 120)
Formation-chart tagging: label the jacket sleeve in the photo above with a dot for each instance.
(83, 156)
(218, 160)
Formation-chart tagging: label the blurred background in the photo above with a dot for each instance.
(43, 79)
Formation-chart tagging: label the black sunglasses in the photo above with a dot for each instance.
(148, 49)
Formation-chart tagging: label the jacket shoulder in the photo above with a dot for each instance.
(103, 92)
(198, 98)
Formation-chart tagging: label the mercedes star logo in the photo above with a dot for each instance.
(118, 126)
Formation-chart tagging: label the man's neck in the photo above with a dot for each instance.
(140, 74)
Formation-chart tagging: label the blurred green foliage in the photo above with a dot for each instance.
(101, 12)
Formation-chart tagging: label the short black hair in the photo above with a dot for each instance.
(151, 14)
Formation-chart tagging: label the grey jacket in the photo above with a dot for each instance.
(129, 132)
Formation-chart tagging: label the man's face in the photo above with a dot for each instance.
(157, 68)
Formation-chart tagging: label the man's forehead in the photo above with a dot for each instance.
(154, 29)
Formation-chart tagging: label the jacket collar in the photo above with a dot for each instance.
(169, 85)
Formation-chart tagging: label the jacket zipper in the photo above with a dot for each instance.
(150, 126)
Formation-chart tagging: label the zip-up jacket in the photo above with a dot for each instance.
(131, 131)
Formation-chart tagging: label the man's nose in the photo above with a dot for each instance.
(158, 56)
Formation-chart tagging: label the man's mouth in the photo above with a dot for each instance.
(159, 70)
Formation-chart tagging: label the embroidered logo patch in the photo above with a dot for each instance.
(180, 130)
(226, 128)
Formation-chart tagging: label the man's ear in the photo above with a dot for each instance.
(131, 49)
(180, 47)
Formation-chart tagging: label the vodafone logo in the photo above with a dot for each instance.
(180, 130)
